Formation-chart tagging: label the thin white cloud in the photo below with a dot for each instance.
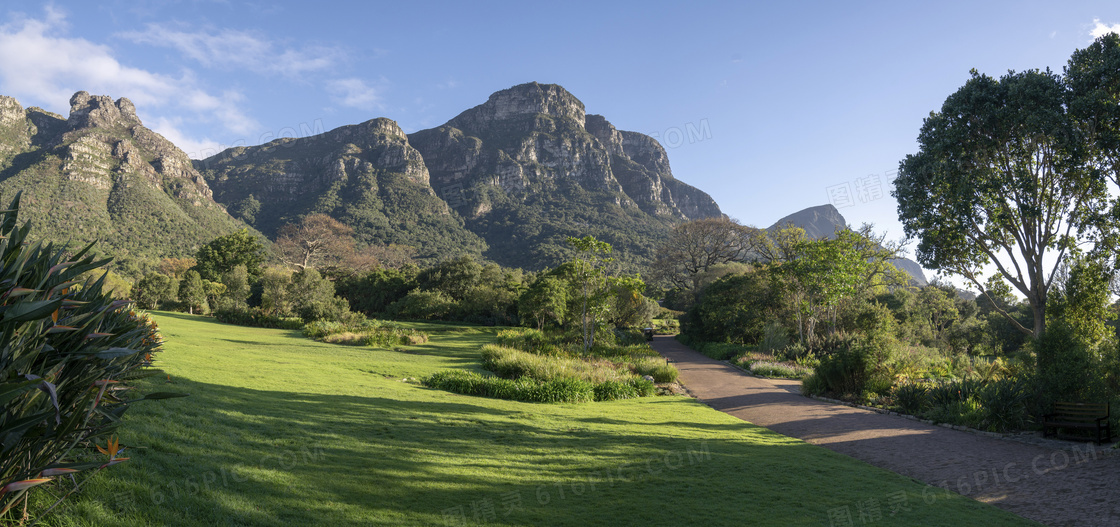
(195, 148)
(233, 49)
(1100, 29)
(41, 65)
(355, 93)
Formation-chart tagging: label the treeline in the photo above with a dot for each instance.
(317, 274)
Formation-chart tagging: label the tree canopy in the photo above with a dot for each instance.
(1001, 179)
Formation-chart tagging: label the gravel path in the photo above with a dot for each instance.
(1055, 482)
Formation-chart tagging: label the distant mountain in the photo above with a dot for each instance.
(509, 179)
(823, 221)
(101, 175)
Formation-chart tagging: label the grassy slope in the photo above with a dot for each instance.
(280, 430)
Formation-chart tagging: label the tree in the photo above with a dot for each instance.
(274, 290)
(312, 297)
(590, 281)
(453, 277)
(545, 301)
(999, 180)
(316, 241)
(695, 246)
(192, 291)
(237, 284)
(226, 252)
(175, 267)
(154, 289)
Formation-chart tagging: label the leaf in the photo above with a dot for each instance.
(20, 485)
(25, 311)
(115, 353)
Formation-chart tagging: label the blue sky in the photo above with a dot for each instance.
(769, 107)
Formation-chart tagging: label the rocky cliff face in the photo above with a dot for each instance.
(538, 136)
(823, 221)
(101, 175)
(365, 175)
(529, 167)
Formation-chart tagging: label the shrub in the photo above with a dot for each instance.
(778, 369)
(774, 338)
(1005, 404)
(528, 390)
(910, 398)
(422, 305)
(855, 370)
(67, 352)
(256, 317)
(657, 368)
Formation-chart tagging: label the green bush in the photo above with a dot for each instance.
(67, 351)
(614, 390)
(910, 398)
(1005, 403)
(856, 370)
(655, 367)
(255, 317)
(778, 369)
(524, 389)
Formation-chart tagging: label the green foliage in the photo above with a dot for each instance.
(991, 136)
(63, 349)
(545, 302)
(246, 209)
(564, 390)
(312, 297)
(256, 317)
(192, 292)
(452, 277)
(735, 309)
(155, 289)
(589, 281)
(237, 282)
(224, 253)
(1068, 370)
(364, 332)
(910, 398)
(275, 283)
(422, 305)
(373, 292)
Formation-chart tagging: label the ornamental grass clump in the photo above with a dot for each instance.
(67, 354)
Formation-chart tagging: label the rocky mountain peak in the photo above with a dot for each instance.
(100, 111)
(522, 101)
(10, 111)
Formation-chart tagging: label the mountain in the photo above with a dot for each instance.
(823, 221)
(366, 175)
(509, 179)
(101, 175)
(529, 167)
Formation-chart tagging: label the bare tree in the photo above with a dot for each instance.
(695, 246)
(315, 241)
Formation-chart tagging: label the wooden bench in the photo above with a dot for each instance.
(1079, 415)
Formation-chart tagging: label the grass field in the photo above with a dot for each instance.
(282, 430)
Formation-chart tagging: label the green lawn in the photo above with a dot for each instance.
(281, 430)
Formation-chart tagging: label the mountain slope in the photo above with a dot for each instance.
(365, 175)
(100, 175)
(529, 167)
(824, 220)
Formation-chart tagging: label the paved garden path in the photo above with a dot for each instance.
(1056, 483)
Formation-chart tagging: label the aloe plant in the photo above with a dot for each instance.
(67, 350)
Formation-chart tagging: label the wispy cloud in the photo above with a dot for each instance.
(1100, 29)
(40, 64)
(234, 49)
(355, 93)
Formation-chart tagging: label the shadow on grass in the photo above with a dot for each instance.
(229, 455)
